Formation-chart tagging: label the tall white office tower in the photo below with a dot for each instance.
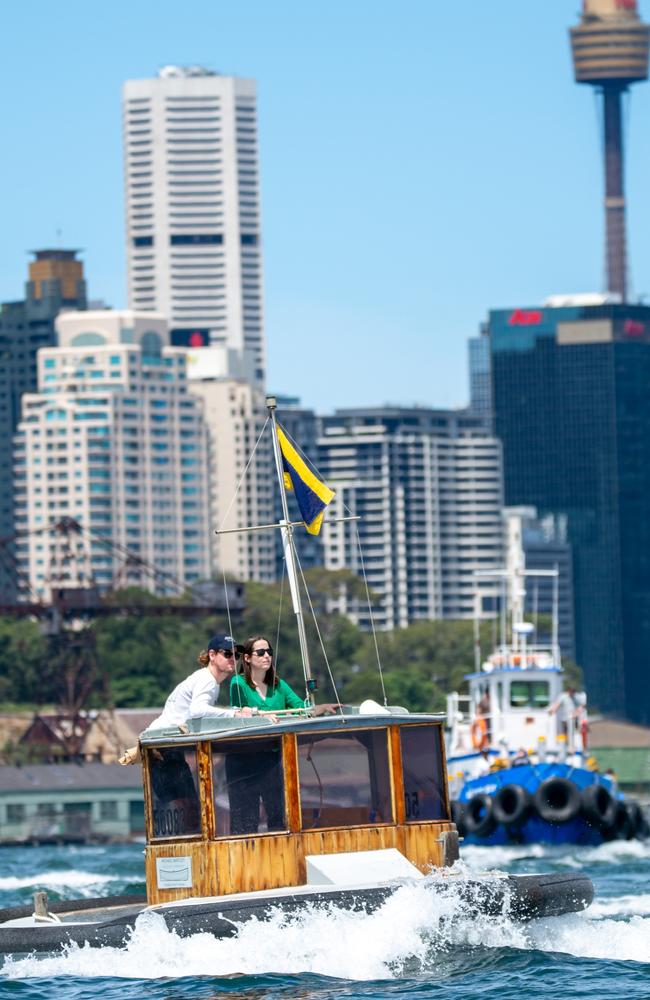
(240, 473)
(192, 208)
(426, 485)
(113, 440)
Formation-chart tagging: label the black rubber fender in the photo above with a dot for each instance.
(638, 825)
(479, 815)
(622, 822)
(511, 804)
(558, 800)
(598, 806)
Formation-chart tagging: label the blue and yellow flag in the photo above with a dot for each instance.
(312, 496)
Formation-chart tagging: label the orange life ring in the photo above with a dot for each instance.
(478, 732)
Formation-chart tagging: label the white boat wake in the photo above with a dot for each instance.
(412, 932)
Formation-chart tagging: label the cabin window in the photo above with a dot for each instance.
(529, 694)
(174, 792)
(424, 795)
(248, 786)
(344, 779)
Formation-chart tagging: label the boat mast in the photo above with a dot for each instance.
(289, 552)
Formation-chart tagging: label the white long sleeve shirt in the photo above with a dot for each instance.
(193, 698)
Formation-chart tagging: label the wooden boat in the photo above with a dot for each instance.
(248, 816)
(251, 816)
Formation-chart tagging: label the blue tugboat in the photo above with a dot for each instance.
(519, 768)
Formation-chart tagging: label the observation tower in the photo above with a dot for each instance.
(610, 51)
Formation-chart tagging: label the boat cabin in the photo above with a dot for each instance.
(240, 804)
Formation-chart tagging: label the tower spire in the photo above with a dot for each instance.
(610, 51)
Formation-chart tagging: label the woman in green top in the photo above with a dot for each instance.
(259, 686)
(254, 775)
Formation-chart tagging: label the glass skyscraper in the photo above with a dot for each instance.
(571, 394)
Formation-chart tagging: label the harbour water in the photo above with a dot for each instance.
(415, 947)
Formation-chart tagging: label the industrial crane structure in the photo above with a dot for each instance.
(77, 601)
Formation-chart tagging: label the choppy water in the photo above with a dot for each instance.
(408, 949)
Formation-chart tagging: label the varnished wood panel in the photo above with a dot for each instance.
(397, 774)
(249, 863)
(421, 844)
(204, 767)
(202, 870)
(257, 863)
(291, 792)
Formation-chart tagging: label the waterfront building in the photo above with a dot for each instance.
(240, 470)
(114, 440)
(66, 803)
(426, 485)
(193, 234)
(572, 409)
(56, 282)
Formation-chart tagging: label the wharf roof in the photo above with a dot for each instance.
(39, 778)
(617, 733)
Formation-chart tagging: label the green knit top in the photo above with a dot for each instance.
(277, 698)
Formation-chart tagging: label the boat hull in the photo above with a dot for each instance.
(110, 921)
(551, 803)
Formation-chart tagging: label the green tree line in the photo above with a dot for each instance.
(135, 661)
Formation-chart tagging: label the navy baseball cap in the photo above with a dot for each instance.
(221, 641)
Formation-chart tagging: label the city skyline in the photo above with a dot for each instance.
(418, 167)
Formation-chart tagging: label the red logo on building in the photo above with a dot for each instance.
(525, 317)
(626, 4)
(196, 339)
(633, 328)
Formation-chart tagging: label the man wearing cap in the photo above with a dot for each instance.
(196, 696)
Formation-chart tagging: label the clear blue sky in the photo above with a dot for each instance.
(421, 162)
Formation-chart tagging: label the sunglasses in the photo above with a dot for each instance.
(228, 653)
(262, 652)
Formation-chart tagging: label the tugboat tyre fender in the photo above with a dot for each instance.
(511, 804)
(479, 816)
(637, 822)
(623, 829)
(599, 806)
(557, 800)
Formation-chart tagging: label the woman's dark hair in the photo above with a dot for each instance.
(270, 677)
